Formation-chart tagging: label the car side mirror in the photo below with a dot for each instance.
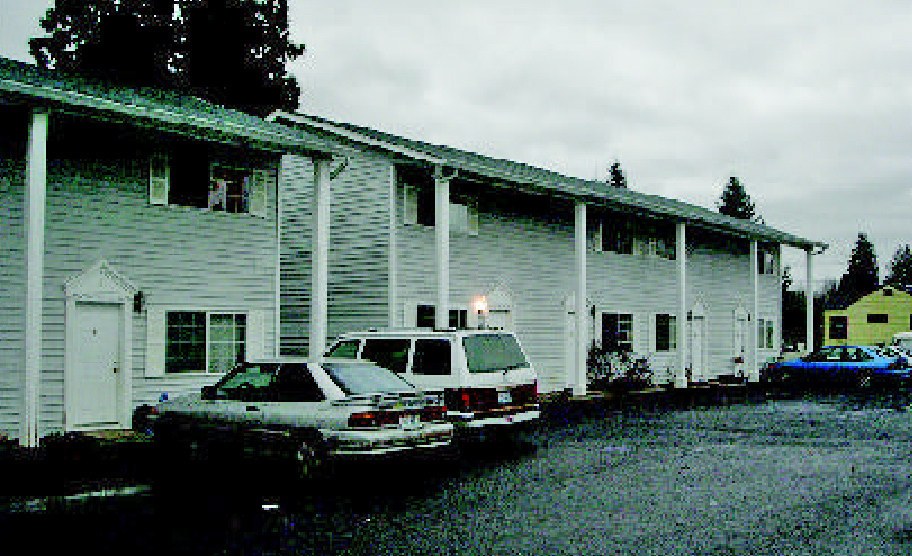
(208, 392)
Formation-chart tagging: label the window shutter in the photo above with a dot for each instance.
(472, 218)
(256, 335)
(410, 204)
(159, 178)
(652, 333)
(259, 188)
(156, 337)
(597, 236)
(410, 314)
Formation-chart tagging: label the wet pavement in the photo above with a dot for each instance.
(818, 474)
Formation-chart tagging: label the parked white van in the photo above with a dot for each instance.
(484, 376)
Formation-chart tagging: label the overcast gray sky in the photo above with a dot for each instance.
(809, 103)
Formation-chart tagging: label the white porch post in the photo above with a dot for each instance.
(809, 300)
(753, 369)
(319, 297)
(35, 202)
(442, 235)
(579, 378)
(681, 253)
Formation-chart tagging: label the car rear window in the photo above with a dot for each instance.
(487, 353)
(346, 349)
(390, 354)
(365, 378)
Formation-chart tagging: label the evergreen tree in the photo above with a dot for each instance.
(900, 270)
(736, 202)
(230, 52)
(862, 275)
(616, 177)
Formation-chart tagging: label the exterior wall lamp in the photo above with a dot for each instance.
(481, 309)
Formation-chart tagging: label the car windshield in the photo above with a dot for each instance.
(487, 353)
(365, 378)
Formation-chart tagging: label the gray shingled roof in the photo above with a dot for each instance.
(592, 191)
(159, 109)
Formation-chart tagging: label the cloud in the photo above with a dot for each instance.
(806, 102)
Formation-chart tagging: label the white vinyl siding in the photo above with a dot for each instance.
(12, 296)
(177, 256)
(358, 257)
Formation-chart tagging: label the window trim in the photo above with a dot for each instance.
(601, 327)
(160, 166)
(412, 197)
(766, 333)
(157, 341)
(672, 333)
(844, 326)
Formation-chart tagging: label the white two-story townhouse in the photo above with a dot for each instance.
(416, 227)
(139, 235)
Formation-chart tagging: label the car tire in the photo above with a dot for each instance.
(310, 456)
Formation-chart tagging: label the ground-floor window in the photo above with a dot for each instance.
(765, 334)
(839, 328)
(617, 331)
(201, 341)
(425, 317)
(666, 333)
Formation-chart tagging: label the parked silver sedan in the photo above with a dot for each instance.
(305, 412)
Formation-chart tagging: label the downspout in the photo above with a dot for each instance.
(393, 251)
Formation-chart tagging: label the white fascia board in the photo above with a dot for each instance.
(356, 137)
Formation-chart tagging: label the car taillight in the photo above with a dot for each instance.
(471, 399)
(377, 419)
(364, 420)
(432, 413)
(899, 363)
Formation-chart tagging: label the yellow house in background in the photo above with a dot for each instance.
(871, 320)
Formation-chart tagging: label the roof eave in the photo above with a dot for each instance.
(164, 119)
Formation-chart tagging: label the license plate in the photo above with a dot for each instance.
(504, 398)
(410, 421)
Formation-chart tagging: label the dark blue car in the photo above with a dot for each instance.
(860, 366)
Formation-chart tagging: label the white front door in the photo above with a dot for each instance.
(697, 329)
(96, 385)
(740, 348)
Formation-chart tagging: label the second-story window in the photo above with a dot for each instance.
(767, 262)
(420, 209)
(190, 177)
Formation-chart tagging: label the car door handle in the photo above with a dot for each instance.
(252, 408)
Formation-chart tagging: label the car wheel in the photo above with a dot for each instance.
(311, 459)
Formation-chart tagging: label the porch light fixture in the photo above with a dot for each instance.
(139, 302)
(481, 309)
